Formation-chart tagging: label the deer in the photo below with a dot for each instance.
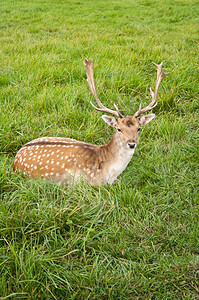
(67, 161)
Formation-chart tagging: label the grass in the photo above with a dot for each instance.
(138, 239)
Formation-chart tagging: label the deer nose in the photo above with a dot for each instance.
(131, 144)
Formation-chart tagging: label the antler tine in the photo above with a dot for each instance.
(160, 76)
(89, 65)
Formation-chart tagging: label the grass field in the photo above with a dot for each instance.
(137, 239)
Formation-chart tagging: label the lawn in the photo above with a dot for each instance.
(136, 239)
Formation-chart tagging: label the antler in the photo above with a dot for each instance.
(160, 76)
(91, 82)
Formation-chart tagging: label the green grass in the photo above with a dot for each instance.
(138, 239)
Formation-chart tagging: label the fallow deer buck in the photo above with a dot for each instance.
(67, 160)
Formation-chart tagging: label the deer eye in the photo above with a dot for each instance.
(139, 129)
(119, 130)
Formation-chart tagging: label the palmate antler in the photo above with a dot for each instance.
(91, 81)
(160, 76)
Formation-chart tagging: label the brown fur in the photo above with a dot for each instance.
(67, 160)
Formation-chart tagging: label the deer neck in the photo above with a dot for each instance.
(116, 157)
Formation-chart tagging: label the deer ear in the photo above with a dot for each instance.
(110, 120)
(146, 119)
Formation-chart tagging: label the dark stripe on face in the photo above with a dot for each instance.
(129, 123)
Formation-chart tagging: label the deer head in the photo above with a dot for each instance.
(127, 127)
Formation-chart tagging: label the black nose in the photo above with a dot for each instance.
(132, 146)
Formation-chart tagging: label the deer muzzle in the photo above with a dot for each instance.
(131, 144)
